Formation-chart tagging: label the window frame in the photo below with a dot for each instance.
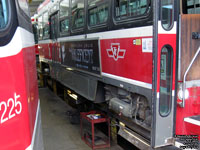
(131, 18)
(65, 33)
(40, 29)
(8, 17)
(99, 25)
(185, 7)
(44, 36)
(173, 16)
(62, 18)
(169, 48)
(6, 34)
(55, 17)
(78, 29)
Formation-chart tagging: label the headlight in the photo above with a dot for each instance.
(180, 94)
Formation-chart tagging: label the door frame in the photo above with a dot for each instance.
(163, 127)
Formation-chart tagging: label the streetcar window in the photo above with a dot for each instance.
(45, 25)
(64, 15)
(167, 14)
(130, 8)
(166, 70)
(64, 25)
(40, 33)
(3, 14)
(24, 6)
(77, 14)
(98, 12)
(64, 8)
(191, 6)
(54, 26)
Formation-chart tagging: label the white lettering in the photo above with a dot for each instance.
(82, 55)
(13, 104)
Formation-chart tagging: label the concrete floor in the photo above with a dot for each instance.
(58, 132)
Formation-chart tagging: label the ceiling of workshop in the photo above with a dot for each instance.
(33, 5)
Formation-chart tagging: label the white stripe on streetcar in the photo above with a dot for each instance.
(131, 81)
(115, 34)
(124, 33)
(192, 121)
(30, 147)
(21, 39)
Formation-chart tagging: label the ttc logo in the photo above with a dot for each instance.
(115, 51)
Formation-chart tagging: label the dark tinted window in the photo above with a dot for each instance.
(3, 14)
(166, 69)
(77, 14)
(40, 26)
(54, 26)
(45, 25)
(191, 6)
(167, 14)
(64, 16)
(64, 25)
(130, 8)
(98, 12)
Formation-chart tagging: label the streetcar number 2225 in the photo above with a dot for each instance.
(15, 108)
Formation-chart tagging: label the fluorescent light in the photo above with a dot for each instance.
(70, 69)
(167, 6)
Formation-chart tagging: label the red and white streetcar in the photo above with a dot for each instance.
(136, 60)
(20, 121)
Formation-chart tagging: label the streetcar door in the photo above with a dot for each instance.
(164, 75)
(54, 36)
(54, 33)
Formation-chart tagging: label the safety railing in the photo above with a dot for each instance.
(185, 75)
